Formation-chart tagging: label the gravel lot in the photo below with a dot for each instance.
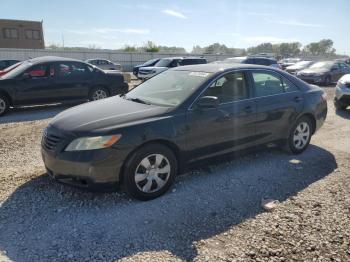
(213, 213)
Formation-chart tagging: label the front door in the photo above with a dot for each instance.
(229, 126)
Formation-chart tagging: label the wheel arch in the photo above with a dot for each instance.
(312, 118)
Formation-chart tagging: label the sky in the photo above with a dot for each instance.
(113, 24)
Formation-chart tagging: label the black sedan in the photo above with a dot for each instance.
(142, 139)
(45, 80)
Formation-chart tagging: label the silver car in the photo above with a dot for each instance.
(104, 64)
(342, 93)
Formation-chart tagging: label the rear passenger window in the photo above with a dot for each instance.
(267, 84)
(71, 69)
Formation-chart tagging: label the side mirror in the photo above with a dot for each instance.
(208, 102)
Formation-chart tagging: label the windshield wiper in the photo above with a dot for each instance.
(137, 100)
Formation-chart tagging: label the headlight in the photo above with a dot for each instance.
(91, 143)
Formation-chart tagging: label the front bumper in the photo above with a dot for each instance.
(87, 169)
(342, 94)
(312, 79)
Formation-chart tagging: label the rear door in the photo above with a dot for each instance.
(278, 103)
(73, 80)
(228, 127)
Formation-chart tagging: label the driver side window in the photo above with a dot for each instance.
(229, 88)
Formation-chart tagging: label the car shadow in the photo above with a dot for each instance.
(33, 113)
(45, 221)
(345, 113)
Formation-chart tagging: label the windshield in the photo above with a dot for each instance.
(150, 62)
(163, 62)
(18, 70)
(326, 65)
(169, 88)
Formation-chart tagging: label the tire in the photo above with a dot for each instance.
(98, 93)
(339, 106)
(141, 177)
(4, 105)
(297, 142)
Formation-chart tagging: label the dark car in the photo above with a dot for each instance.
(6, 63)
(54, 79)
(254, 60)
(325, 72)
(142, 139)
(149, 63)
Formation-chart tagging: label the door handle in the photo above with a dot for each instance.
(297, 99)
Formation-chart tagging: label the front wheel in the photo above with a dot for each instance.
(300, 136)
(4, 105)
(150, 172)
(98, 93)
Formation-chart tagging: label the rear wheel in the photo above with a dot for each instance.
(98, 93)
(4, 105)
(150, 172)
(300, 136)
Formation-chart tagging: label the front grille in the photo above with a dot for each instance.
(50, 140)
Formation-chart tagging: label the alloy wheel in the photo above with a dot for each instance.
(99, 94)
(152, 173)
(301, 135)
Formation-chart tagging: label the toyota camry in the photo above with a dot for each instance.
(142, 139)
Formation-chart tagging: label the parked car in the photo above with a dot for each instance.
(104, 64)
(166, 63)
(142, 139)
(7, 62)
(149, 63)
(55, 79)
(8, 69)
(252, 60)
(284, 63)
(293, 69)
(325, 72)
(342, 93)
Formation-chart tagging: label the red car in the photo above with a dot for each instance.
(8, 69)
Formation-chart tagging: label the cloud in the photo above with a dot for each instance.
(296, 23)
(267, 39)
(174, 13)
(258, 14)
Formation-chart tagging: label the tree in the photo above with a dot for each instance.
(323, 47)
(129, 48)
(151, 47)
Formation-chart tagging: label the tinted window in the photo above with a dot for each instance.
(231, 87)
(267, 84)
(69, 69)
(193, 61)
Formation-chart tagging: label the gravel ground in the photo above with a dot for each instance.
(213, 212)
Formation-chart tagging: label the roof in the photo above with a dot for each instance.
(213, 68)
(43, 59)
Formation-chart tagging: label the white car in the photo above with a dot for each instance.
(104, 64)
(342, 93)
(166, 63)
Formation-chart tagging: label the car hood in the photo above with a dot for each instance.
(314, 71)
(106, 114)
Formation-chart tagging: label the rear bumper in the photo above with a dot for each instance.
(342, 95)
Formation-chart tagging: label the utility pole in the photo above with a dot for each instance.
(62, 40)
